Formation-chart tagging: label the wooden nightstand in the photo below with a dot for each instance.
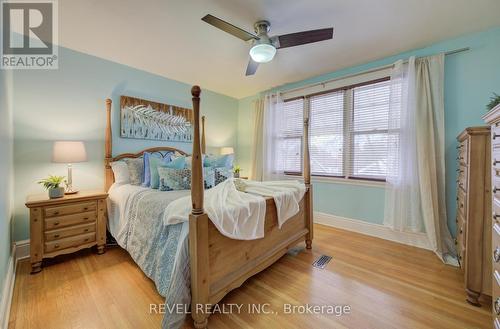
(65, 225)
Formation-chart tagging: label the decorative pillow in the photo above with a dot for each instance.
(135, 169)
(154, 163)
(208, 177)
(174, 179)
(120, 171)
(164, 155)
(219, 161)
(221, 174)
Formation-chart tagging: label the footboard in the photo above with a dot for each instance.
(220, 264)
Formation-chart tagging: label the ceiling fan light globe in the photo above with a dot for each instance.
(262, 53)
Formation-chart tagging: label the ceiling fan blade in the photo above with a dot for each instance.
(301, 38)
(252, 67)
(229, 28)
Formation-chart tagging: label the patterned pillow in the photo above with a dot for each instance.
(180, 179)
(164, 155)
(218, 161)
(174, 179)
(135, 169)
(221, 174)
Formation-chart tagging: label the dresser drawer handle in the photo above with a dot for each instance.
(496, 306)
(495, 189)
(461, 231)
(86, 230)
(495, 216)
(56, 246)
(56, 223)
(85, 218)
(87, 239)
(495, 162)
(456, 241)
(86, 208)
(56, 212)
(496, 255)
(495, 136)
(56, 236)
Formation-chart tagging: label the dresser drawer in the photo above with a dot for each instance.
(462, 202)
(69, 231)
(463, 151)
(462, 177)
(495, 136)
(71, 208)
(73, 241)
(69, 220)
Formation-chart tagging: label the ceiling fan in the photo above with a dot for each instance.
(264, 47)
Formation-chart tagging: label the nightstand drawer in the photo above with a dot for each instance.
(72, 208)
(69, 231)
(73, 241)
(63, 221)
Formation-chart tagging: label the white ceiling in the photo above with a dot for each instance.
(167, 37)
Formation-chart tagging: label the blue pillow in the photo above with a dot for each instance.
(219, 161)
(165, 156)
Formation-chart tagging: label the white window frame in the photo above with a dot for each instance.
(347, 83)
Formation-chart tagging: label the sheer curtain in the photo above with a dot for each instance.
(415, 189)
(273, 161)
(258, 142)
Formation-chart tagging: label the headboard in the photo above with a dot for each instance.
(109, 178)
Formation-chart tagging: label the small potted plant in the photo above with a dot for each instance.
(52, 184)
(494, 101)
(236, 171)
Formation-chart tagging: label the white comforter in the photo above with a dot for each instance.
(238, 208)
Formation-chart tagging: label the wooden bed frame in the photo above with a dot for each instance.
(220, 264)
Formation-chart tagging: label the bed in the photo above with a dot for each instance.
(216, 263)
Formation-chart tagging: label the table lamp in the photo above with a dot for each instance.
(69, 152)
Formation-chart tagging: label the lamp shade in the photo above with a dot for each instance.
(69, 152)
(226, 150)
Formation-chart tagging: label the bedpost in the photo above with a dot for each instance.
(108, 173)
(198, 227)
(307, 179)
(203, 146)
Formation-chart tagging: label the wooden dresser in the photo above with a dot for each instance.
(65, 225)
(474, 211)
(493, 119)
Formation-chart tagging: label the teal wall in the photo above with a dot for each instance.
(6, 174)
(68, 103)
(470, 79)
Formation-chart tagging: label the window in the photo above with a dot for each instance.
(348, 132)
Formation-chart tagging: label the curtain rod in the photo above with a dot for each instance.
(451, 52)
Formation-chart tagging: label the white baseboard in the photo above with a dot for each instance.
(22, 249)
(376, 230)
(7, 290)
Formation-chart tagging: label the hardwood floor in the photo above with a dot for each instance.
(386, 285)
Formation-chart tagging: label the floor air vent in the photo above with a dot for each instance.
(322, 261)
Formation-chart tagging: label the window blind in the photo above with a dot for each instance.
(327, 133)
(291, 136)
(368, 131)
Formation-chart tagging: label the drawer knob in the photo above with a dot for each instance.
(496, 255)
(56, 223)
(56, 246)
(456, 242)
(495, 216)
(495, 189)
(56, 236)
(495, 162)
(495, 136)
(87, 239)
(496, 306)
(86, 208)
(86, 230)
(56, 212)
(85, 218)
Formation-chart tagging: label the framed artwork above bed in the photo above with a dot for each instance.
(143, 119)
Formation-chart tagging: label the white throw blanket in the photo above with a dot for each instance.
(238, 208)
